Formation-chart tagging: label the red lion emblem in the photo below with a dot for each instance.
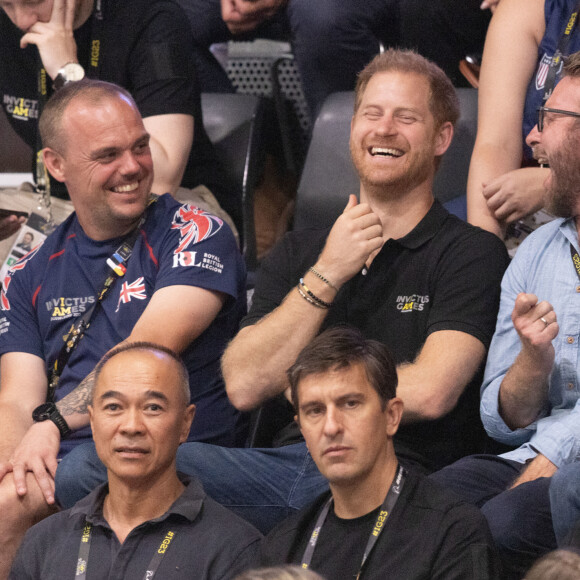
(194, 225)
(4, 302)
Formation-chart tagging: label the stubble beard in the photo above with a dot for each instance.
(420, 170)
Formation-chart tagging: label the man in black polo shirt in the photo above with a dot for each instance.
(379, 520)
(397, 266)
(146, 521)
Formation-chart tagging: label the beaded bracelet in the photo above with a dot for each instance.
(318, 300)
(309, 299)
(325, 280)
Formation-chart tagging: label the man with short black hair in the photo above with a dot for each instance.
(379, 519)
(147, 520)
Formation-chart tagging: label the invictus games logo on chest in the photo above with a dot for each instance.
(20, 108)
(414, 302)
(67, 307)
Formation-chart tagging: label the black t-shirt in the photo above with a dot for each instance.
(341, 545)
(146, 46)
(429, 535)
(443, 275)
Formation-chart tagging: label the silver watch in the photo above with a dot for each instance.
(69, 73)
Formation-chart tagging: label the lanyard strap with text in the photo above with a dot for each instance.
(95, 60)
(118, 265)
(561, 49)
(384, 513)
(85, 547)
(575, 260)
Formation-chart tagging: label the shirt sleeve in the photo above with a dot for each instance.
(200, 250)
(162, 77)
(556, 432)
(468, 279)
(282, 268)
(467, 549)
(19, 330)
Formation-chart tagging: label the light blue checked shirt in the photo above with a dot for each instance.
(542, 266)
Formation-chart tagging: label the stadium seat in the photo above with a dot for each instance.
(235, 126)
(329, 176)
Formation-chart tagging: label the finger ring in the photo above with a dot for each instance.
(544, 321)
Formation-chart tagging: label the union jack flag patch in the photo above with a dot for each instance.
(131, 290)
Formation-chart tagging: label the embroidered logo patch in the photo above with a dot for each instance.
(132, 290)
(194, 225)
(413, 302)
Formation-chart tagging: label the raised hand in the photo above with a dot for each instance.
(355, 236)
(54, 39)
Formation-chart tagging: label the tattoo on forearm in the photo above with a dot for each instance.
(78, 400)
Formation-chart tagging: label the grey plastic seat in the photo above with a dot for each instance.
(329, 176)
(235, 126)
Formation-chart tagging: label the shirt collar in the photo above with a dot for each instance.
(569, 231)
(426, 228)
(188, 504)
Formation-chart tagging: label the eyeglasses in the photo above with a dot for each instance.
(542, 113)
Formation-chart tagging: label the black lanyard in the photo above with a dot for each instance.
(575, 260)
(85, 547)
(118, 265)
(384, 513)
(561, 49)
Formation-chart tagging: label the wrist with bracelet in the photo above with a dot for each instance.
(312, 298)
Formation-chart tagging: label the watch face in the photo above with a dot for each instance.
(73, 72)
(42, 412)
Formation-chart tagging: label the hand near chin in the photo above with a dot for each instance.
(54, 39)
(355, 236)
(36, 453)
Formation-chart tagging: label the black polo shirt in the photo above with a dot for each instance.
(444, 275)
(209, 542)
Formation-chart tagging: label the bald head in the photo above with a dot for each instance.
(164, 361)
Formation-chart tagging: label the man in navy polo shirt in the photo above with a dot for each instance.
(180, 276)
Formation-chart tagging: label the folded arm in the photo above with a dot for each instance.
(431, 386)
(502, 89)
(161, 323)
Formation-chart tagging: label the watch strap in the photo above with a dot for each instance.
(49, 411)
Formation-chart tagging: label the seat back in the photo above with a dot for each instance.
(329, 175)
(235, 126)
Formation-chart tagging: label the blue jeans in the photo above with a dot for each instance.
(565, 500)
(519, 518)
(261, 485)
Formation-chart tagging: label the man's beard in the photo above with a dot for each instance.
(563, 193)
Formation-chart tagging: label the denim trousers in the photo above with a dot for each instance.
(565, 501)
(261, 485)
(519, 518)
